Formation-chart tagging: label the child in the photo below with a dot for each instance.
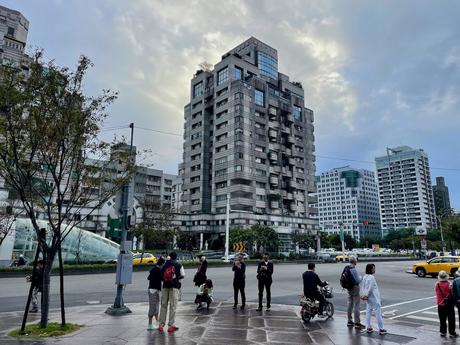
(154, 292)
(204, 294)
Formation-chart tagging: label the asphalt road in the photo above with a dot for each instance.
(405, 297)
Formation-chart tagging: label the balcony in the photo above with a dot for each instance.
(274, 180)
(272, 133)
(274, 204)
(291, 161)
(273, 156)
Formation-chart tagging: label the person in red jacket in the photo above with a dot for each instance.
(445, 305)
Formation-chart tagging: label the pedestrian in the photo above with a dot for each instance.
(200, 275)
(350, 281)
(154, 292)
(172, 273)
(204, 294)
(264, 277)
(21, 261)
(456, 293)
(371, 294)
(445, 304)
(239, 281)
(37, 283)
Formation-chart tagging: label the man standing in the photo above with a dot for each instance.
(154, 292)
(456, 293)
(200, 275)
(172, 272)
(37, 283)
(350, 280)
(311, 282)
(239, 281)
(264, 276)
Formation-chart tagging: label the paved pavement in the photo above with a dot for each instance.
(221, 326)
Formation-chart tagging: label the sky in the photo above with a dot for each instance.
(376, 73)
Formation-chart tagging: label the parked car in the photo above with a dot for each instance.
(146, 258)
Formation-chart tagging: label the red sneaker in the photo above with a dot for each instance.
(172, 329)
(160, 329)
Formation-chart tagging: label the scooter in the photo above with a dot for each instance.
(310, 308)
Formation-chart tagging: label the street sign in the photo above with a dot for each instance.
(124, 269)
(238, 247)
(421, 231)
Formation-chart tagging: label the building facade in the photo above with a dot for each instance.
(247, 136)
(406, 196)
(14, 28)
(348, 199)
(441, 196)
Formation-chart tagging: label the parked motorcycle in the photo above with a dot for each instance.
(310, 308)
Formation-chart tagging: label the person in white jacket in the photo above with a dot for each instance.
(371, 294)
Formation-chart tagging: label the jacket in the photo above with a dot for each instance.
(311, 282)
(37, 279)
(355, 275)
(239, 275)
(456, 291)
(155, 278)
(200, 275)
(179, 273)
(265, 274)
(370, 289)
(443, 290)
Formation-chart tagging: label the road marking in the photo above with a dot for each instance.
(412, 312)
(93, 302)
(401, 303)
(430, 313)
(415, 317)
(390, 312)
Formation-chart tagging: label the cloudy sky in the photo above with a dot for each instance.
(377, 74)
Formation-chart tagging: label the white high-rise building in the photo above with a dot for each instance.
(14, 28)
(348, 199)
(406, 195)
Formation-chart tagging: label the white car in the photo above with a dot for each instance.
(231, 256)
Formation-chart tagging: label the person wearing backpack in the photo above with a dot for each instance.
(172, 272)
(350, 281)
(446, 311)
(456, 293)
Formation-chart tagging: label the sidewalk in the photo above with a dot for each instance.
(220, 326)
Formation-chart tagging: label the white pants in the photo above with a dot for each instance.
(35, 298)
(378, 315)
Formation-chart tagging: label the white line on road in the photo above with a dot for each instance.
(415, 317)
(431, 312)
(412, 312)
(401, 303)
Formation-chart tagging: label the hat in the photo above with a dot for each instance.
(443, 276)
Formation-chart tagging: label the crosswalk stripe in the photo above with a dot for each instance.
(431, 312)
(415, 317)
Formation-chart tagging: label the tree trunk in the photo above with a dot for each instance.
(48, 264)
(61, 284)
(26, 311)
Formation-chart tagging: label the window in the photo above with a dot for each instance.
(221, 197)
(221, 160)
(221, 185)
(221, 148)
(10, 31)
(238, 168)
(198, 89)
(260, 185)
(238, 73)
(196, 136)
(194, 116)
(268, 65)
(259, 98)
(196, 125)
(222, 76)
(222, 113)
(297, 113)
(221, 92)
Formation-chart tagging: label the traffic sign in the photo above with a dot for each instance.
(238, 247)
(421, 231)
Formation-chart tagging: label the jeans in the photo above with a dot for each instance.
(446, 313)
(378, 315)
(264, 284)
(239, 287)
(168, 295)
(353, 305)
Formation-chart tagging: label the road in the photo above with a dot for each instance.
(405, 297)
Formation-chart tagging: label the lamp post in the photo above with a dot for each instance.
(227, 229)
(439, 218)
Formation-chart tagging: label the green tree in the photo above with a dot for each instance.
(451, 229)
(305, 241)
(49, 132)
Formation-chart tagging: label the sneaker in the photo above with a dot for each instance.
(160, 329)
(150, 328)
(173, 329)
(234, 306)
(382, 331)
(242, 307)
(454, 335)
(443, 334)
(259, 309)
(268, 308)
(350, 324)
(33, 311)
(369, 330)
(359, 326)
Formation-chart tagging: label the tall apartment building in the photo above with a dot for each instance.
(153, 186)
(14, 28)
(248, 136)
(441, 196)
(406, 196)
(348, 199)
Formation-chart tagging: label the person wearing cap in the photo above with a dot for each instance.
(446, 311)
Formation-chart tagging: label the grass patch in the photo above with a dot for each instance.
(54, 329)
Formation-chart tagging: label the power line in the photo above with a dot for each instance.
(158, 131)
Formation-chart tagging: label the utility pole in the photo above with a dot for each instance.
(227, 229)
(124, 262)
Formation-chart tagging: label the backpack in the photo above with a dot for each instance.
(168, 276)
(346, 279)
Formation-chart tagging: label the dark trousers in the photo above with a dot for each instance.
(446, 312)
(239, 287)
(264, 284)
(317, 295)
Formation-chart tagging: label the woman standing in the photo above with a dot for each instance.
(371, 294)
(445, 304)
(200, 275)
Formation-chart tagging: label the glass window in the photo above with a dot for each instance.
(268, 65)
(238, 73)
(196, 136)
(222, 76)
(297, 113)
(259, 97)
(198, 89)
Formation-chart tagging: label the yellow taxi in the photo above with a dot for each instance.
(147, 258)
(345, 257)
(432, 267)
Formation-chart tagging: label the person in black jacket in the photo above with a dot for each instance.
(311, 282)
(264, 276)
(200, 275)
(37, 283)
(239, 281)
(154, 291)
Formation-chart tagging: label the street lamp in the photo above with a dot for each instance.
(439, 218)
